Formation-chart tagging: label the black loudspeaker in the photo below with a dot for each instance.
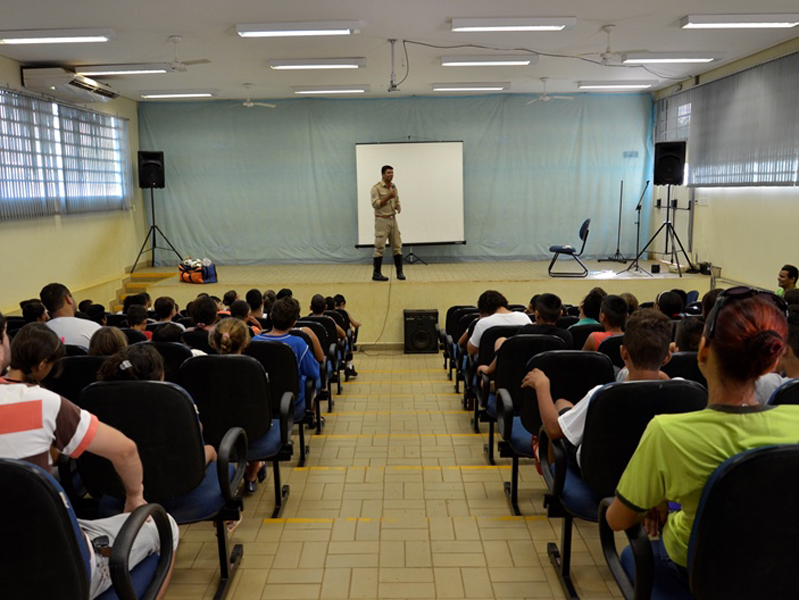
(669, 163)
(151, 169)
(420, 331)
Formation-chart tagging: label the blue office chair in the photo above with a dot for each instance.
(571, 251)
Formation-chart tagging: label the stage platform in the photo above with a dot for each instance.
(378, 306)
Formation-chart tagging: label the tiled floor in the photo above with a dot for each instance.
(396, 501)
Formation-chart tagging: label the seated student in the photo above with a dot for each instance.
(683, 296)
(229, 298)
(284, 316)
(791, 297)
(170, 332)
(137, 319)
(284, 292)
(493, 309)
(688, 334)
(63, 427)
(33, 311)
(220, 306)
(645, 350)
(330, 303)
(96, 313)
(530, 310)
(318, 307)
(786, 279)
(612, 315)
(241, 310)
(230, 336)
(632, 302)
(670, 304)
(203, 312)
(341, 303)
(589, 307)
(84, 304)
(548, 309)
(133, 299)
(743, 339)
(269, 299)
(166, 310)
(255, 299)
(107, 341)
(139, 362)
(788, 364)
(61, 306)
(709, 300)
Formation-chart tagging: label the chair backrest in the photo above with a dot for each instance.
(517, 307)
(161, 418)
(787, 393)
(280, 364)
(73, 350)
(580, 333)
(73, 373)
(42, 548)
(450, 321)
(465, 323)
(134, 335)
(198, 339)
(612, 347)
(153, 326)
(694, 309)
(685, 365)
(457, 328)
(566, 321)
(337, 318)
(265, 323)
(229, 391)
(513, 357)
(571, 373)
(116, 320)
(321, 331)
(488, 340)
(174, 354)
(584, 234)
(692, 296)
(616, 420)
(330, 328)
(186, 322)
(734, 558)
(346, 316)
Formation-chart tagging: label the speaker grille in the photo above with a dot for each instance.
(420, 331)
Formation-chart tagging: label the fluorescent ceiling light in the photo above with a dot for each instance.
(751, 21)
(645, 58)
(56, 36)
(133, 69)
(297, 29)
(331, 89)
(317, 63)
(511, 24)
(471, 87)
(615, 85)
(492, 61)
(182, 94)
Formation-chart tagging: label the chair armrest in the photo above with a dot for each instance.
(554, 482)
(232, 447)
(642, 554)
(286, 417)
(120, 553)
(332, 356)
(484, 382)
(504, 414)
(66, 476)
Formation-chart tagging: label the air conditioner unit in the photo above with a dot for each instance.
(62, 84)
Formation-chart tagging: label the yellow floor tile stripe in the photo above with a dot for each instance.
(395, 520)
(405, 468)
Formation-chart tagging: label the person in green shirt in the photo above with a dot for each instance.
(786, 279)
(744, 338)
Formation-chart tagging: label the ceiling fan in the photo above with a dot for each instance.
(249, 103)
(180, 66)
(544, 97)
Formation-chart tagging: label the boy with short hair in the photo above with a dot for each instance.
(137, 319)
(612, 315)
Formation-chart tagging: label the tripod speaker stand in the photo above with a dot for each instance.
(151, 232)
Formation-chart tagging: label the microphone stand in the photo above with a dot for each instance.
(618, 256)
(634, 266)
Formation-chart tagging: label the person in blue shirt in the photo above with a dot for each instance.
(284, 315)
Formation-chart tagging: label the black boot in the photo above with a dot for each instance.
(398, 266)
(377, 275)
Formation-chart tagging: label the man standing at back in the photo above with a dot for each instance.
(58, 301)
(386, 203)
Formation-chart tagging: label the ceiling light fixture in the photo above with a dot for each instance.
(297, 29)
(332, 89)
(750, 21)
(471, 87)
(181, 94)
(56, 36)
(511, 24)
(513, 60)
(316, 63)
(132, 69)
(615, 85)
(646, 58)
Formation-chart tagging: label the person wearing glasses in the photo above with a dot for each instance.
(744, 338)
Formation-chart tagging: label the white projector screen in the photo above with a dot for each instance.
(429, 179)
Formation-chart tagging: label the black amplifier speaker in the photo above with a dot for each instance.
(669, 163)
(420, 331)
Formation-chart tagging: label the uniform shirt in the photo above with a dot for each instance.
(678, 453)
(378, 194)
(32, 419)
(73, 331)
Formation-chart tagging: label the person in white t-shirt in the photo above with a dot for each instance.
(645, 350)
(493, 308)
(58, 301)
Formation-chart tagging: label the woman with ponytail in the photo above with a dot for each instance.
(744, 337)
(230, 336)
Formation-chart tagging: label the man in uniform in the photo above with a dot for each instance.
(385, 201)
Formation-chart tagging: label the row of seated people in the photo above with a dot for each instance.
(746, 349)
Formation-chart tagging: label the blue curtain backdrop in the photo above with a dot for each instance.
(249, 186)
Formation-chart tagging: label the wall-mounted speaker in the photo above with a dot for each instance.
(420, 331)
(669, 163)
(151, 169)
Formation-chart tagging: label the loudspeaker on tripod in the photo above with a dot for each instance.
(151, 169)
(669, 163)
(420, 331)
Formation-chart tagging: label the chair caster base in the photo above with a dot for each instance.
(233, 564)
(284, 494)
(565, 578)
